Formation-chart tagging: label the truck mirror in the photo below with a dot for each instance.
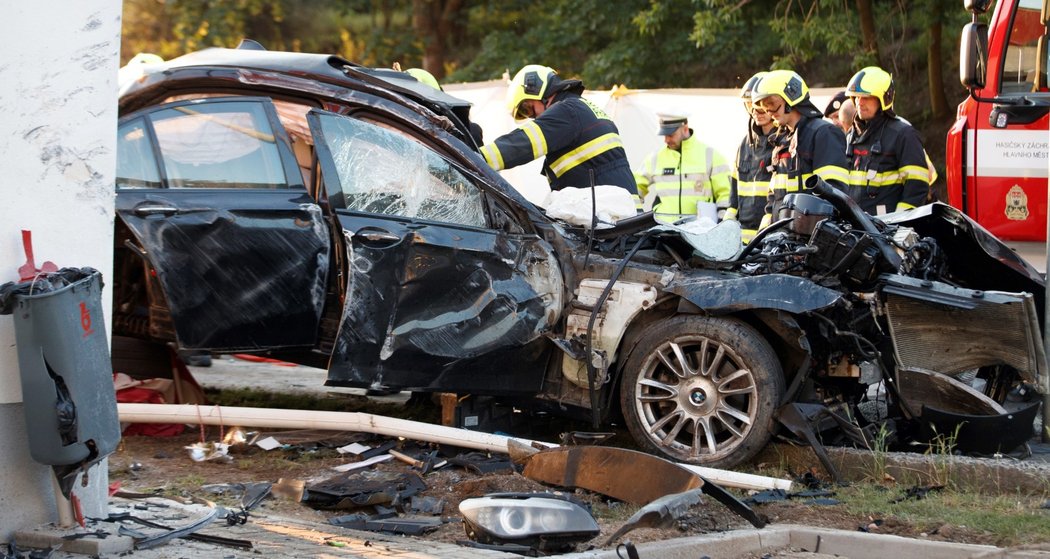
(977, 6)
(973, 54)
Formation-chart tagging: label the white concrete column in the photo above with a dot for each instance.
(58, 91)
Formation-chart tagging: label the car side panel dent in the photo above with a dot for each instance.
(773, 291)
(500, 297)
(268, 285)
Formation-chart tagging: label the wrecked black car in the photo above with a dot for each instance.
(311, 209)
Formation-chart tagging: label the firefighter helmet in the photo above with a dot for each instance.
(875, 82)
(749, 85)
(785, 84)
(529, 83)
(424, 77)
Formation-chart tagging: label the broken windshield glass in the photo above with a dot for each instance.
(383, 172)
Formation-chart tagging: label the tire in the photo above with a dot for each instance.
(678, 406)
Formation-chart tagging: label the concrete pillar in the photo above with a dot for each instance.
(58, 90)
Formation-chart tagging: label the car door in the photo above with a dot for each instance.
(436, 299)
(211, 191)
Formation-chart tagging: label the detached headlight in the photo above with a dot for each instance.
(539, 520)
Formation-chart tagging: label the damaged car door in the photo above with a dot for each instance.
(436, 298)
(211, 192)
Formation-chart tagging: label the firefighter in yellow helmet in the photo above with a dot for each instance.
(804, 144)
(574, 135)
(888, 168)
(676, 178)
(749, 185)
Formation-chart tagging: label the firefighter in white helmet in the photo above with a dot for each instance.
(574, 135)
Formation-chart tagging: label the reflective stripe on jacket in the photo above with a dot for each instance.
(749, 185)
(679, 180)
(576, 137)
(815, 147)
(888, 165)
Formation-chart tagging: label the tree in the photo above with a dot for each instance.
(437, 23)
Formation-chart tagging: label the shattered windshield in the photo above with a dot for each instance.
(381, 171)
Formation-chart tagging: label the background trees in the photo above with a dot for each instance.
(637, 43)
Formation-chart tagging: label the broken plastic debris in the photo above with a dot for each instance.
(353, 448)
(269, 443)
(200, 452)
(363, 463)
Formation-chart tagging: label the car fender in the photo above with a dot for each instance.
(721, 294)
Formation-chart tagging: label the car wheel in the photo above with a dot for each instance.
(701, 390)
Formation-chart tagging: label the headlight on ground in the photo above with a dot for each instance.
(540, 520)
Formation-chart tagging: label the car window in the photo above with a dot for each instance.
(218, 145)
(382, 171)
(1021, 63)
(136, 165)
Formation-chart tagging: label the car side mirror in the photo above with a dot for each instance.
(973, 55)
(977, 6)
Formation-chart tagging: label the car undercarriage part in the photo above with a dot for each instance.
(977, 434)
(807, 420)
(625, 300)
(661, 513)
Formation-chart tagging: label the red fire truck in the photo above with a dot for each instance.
(997, 160)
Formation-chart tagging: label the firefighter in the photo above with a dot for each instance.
(575, 135)
(676, 178)
(889, 170)
(749, 184)
(804, 143)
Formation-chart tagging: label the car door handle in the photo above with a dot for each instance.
(377, 235)
(143, 211)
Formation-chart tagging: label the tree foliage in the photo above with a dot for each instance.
(638, 43)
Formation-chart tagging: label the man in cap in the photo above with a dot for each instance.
(683, 175)
(581, 143)
(831, 112)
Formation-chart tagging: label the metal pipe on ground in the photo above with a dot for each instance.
(380, 425)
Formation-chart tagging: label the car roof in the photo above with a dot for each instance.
(319, 67)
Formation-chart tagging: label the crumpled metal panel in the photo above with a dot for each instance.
(240, 270)
(627, 475)
(441, 303)
(773, 291)
(928, 333)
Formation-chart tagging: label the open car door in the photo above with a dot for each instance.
(436, 298)
(211, 191)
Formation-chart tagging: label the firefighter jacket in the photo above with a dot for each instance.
(749, 184)
(814, 147)
(672, 182)
(888, 166)
(576, 137)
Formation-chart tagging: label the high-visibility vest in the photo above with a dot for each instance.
(672, 182)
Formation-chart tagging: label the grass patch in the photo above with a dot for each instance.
(1007, 519)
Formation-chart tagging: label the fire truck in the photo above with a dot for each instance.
(997, 160)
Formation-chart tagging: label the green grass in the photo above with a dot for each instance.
(1008, 519)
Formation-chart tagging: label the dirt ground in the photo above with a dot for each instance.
(162, 466)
